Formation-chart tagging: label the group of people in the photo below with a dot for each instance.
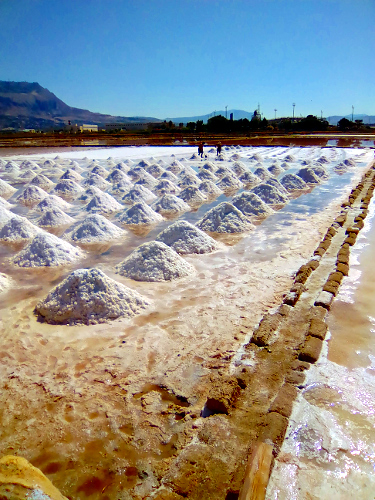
(200, 149)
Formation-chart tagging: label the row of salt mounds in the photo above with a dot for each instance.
(170, 204)
(185, 238)
(154, 261)
(270, 194)
(308, 175)
(18, 229)
(54, 217)
(47, 250)
(292, 182)
(224, 218)
(6, 190)
(51, 202)
(140, 214)
(250, 204)
(31, 196)
(93, 229)
(103, 203)
(88, 296)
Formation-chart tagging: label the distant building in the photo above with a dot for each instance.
(112, 127)
(89, 128)
(73, 127)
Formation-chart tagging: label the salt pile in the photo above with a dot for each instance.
(155, 170)
(5, 216)
(276, 184)
(269, 194)
(72, 175)
(47, 250)
(144, 163)
(275, 169)
(262, 173)
(122, 166)
(31, 196)
(195, 156)
(166, 186)
(209, 166)
(223, 171)
(192, 195)
(119, 176)
(103, 203)
(154, 261)
(146, 180)
(49, 163)
(185, 238)
(249, 179)
(320, 171)
(292, 182)
(88, 296)
(169, 175)
(42, 181)
(6, 190)
(29, 164)
(308, 175)
(289, 158)
(5, 282)
(55, 173)
(306, 162)
(68, 188)
(322, 159)
(140, 214)
(188, 179)
(5, 204)
(95, 228)
(210, 189)
(55, 217)
(26, 176)
(236, 156)
(256, 157)
(250, 204)
(349, 162)
(137, 194)
(12, 169)
(229, 183)
(170, 204)
(224, 218)
(99, 170)
(285, 165)
(89, 193)
(136, 172)
(18, 229)
(97, 181)
(340, 168)
(238, 168)
(206, 175)
(187, 170)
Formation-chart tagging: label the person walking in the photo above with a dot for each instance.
(200, 149)
(218, 149)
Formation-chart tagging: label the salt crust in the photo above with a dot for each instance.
(185, 238)
(52, 201)
(46, 250)
(308, 175)
(169, 203)
(103, 203)
(31, 195)
(6, 190)
(154, 261)
(192, 195)
(88, 296)
(270, 195)
(18, 229)
(67, 187)
(5, 282)
(54, 217)
(224, 218)
(292, 182)
(137, 194)
(42, 181)
(210, 189)
(166, 186)
(95, 228)
(140, 214)
(250, 204)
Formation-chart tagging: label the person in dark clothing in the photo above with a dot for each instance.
(200, 149)
(218, 149)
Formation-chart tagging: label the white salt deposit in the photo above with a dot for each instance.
(292, 182)
(188, 179)
(12, 169)
(54, 217)
(170, 176)
(5, 216)
(72, 175)
(99, 170)
(289, 158)
(211, 167)
(349, 162)
(97, 181)
(29, 164)
(256, 157)
(144, 163)
(262, 173)
(340, 168)
(276, 184)
(89, 193)
(94, 229)
(88, 296)
(170, 204)
(210, 189)
(137, 194)
(225, 218)
(155, 170)
(6, 190)
(53, 173)
(154, 261)
(320, 171)
(175, 167)
(5, 204)
(206, 175)
(192, 195)
(103, 203)
(18, 229)
(147, 180)
(119, 176)
(26, 176)
(5, 282)
(238, 168)
(275, 169)
(166, 186)
(49, 163)
(250, 204)
(195, 156)
(140, 214)
(68, 188)
(47, 250)
(308, 175)
(249, 179)
(269, 194)
(185, 238)
(42, 181)
(306, 162)
(230, 183)
(187, 170)
(31, 196)
(223, 171)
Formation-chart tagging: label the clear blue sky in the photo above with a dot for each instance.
(170, 58)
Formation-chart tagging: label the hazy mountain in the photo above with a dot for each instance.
(367, 119)
(238, 114)
(29, 105)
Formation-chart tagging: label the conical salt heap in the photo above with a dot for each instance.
(140, 214)
(276, 184)
(270, 195)
(88, 296)
(292, 182)
(165, 186)
(155, 170)
(224, 218)
(262, 173)
(54, 217)
(18, 229)
(95, 228)
(170, 204)
(52, 201)
(210, 189)
(185, 238)
(229, 183)
(103, 203)
(192, 195)
(275, 169)
(6, 190)
(250, 204)
(31, 196)
(5, 215)
(97, 181)
(154, 261)
(42, 181)
(308, 175)
(249, 179)
(47, 250)
(138, 194)
(68, 188)
(71, 175)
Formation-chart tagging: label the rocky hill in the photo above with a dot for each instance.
(29, 105)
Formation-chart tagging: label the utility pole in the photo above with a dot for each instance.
(226, 111)
(321, 114)
(294, 105)
(352, 113)
(275, 112)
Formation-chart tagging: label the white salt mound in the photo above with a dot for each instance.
(146, 180)
(4, 203)
(224, 218)
(223, 171)
(95, 228)
(195, 156)
(54, 217)
(68, 188)
(206, 175)
(119, 176)
(6, 190)
(276, 184)
(155, 170)
(47, 250)
(137, 194)
(89, 193)
(154, 261)
(308, 175)
(340, 168)
(26, 176)
(320, 171)
(185, 238)
(72, 175)
(289, 158)
(250, 204)
(99, 170)
(170, 176)
(97, 181)
(238, 168)
(292, 182)
(140, 214)
(210, 189)
(275, 169)
(170, 204)
(165, 186)
(88, 296)
(18, 229)
(5, 216)
(269, 194)
(262, 173)
(103, 203)
(42, 181)
(144, 163)
(249, 179)
(52, 201)
(188, 179)
(349, 162)
(31, 195)
(229, 183)
(136, 172)
(208, 166)
(192, 195)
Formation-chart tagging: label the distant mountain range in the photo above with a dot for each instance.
(238, 114)
(367, 119)
(29, 105)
